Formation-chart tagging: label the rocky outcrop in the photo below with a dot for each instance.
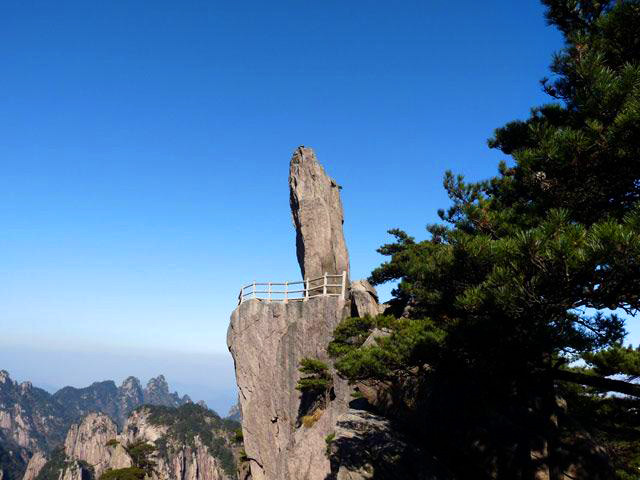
(34, 420)
(87, 441)
(191, 460)
(37, 461)
(117, 402)
(157, 393)
(95, 446)
(269, 339)
(130, 397)
(235, 412)
(29, 417)
(74, 470)
(139, 427)
(317, 216)
(191, 463)
(364, 299)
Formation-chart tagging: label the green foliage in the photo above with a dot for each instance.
(317, 377)
(527, 273)
(56, 463)
(130, 473)
(190, 421)
(237, 436)
(141, 452)
(328, 440)
(243, 456)
(616, 360)
(410, 344)
(112, 443)
(12, 464)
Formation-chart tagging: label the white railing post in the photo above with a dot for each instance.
(286, 292)
(269, 291)
(344, 283)
(306, 290)
(324, 284)
(254, 289)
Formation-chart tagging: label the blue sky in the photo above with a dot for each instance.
(145, 157)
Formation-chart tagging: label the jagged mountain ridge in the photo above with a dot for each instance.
(32, 419)
(118, 402)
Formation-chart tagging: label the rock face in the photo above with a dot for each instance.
(74, 471)
(29, 417)
(37, 461)
(87, 441)
(269, 339)
(364, 299)
(95, 443)
(117, 402)
(317, 216)
(190, 461)
(157, 393)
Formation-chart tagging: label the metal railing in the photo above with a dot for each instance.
(302, 290)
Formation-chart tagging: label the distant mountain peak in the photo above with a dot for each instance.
(4, 376)
(157, 393)
(131, 382)
(158, 384)
(26, 386)
(33, 420)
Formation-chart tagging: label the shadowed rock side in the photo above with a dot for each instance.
(317, 216)
(366, 446)
(267, 341)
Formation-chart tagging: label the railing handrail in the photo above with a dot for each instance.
(327, 289)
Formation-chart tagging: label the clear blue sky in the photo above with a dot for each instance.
(145, 150)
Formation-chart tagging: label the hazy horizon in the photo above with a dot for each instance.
(81, 368)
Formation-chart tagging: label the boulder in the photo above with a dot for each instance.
(364, 299)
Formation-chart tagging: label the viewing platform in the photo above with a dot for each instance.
(328, 285)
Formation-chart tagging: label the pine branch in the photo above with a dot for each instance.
(600, 383)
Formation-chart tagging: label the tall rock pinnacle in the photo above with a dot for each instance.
(317, 216)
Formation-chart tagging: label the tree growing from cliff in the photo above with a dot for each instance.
(528, 272)
(315, 384)
(129, 473)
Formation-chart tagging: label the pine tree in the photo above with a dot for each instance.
(517, 301)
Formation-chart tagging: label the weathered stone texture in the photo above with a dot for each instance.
(364, 299)
(317, 216)
(87, 441)
(267, 341)
(36, 463)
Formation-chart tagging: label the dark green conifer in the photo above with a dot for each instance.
(530, 272)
